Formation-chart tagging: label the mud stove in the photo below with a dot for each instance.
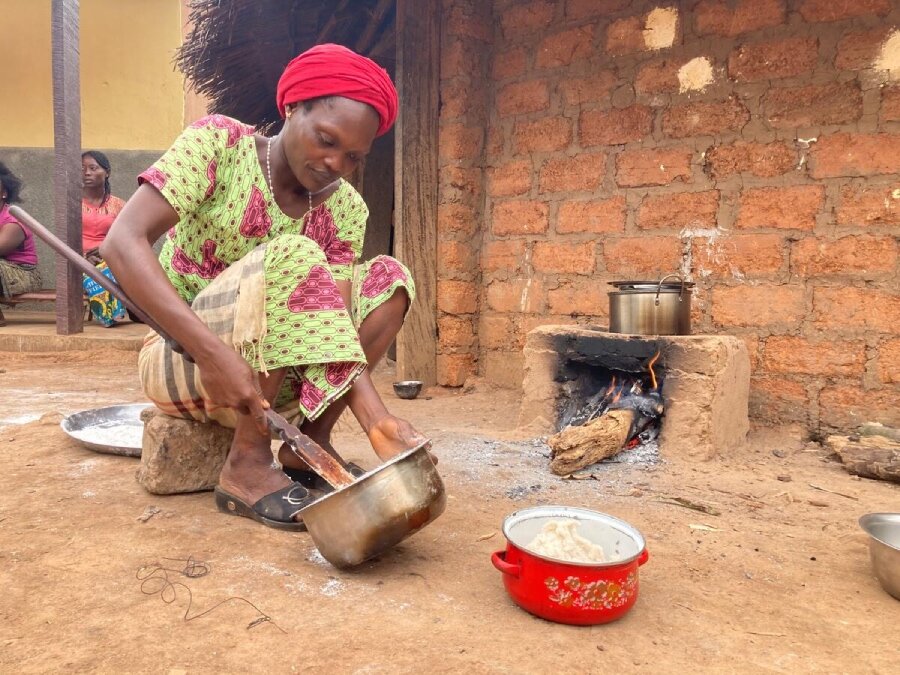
(703, 380)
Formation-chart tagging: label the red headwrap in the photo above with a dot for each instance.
(333, 70)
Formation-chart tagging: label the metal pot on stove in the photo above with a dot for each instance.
(651, 307)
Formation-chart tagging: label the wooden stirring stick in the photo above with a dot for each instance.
(321, 461)
(328, 466)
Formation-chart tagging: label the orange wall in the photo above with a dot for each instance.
(131, 95)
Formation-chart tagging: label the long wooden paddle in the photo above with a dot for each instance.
(330, 467)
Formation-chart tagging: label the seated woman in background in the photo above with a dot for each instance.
(99, 208)
(18, 257)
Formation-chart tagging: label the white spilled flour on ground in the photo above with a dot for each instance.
(260, 566)
(297, 587)
(332, 587)
(84, 467)
(317, 558)
(19, 419)
(123, 434)
(559, 539)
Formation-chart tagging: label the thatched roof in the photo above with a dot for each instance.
(237, 48)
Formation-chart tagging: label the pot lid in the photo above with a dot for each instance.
(650, 285)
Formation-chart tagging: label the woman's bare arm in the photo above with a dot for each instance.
(11, 237)
(128, 250)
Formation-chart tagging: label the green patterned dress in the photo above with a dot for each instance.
(261, 280)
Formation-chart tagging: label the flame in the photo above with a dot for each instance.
(650, 368)
(618, 395)
(613, 390)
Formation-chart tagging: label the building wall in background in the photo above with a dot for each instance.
(35, 167)
(750, 145)
(132, 97)
(26, 118)
(133, 100)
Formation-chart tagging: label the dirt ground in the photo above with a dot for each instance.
(778, 582)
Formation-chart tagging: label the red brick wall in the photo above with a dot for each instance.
(465, 61)
(775, 188)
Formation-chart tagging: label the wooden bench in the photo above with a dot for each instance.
(43, 295)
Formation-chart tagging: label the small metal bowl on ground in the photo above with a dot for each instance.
(884, 548)
(407, 388)
(114, 430)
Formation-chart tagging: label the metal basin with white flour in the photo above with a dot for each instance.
(113, 430)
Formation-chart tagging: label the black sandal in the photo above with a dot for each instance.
(274, 510)
(313, 481)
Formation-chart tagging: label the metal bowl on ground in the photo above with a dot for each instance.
(113, 430)
(884, 548)
(407, 388)
(571, 592)
(378, 510)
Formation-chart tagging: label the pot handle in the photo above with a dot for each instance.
(499, 560)
(643, 557)
(660, 283)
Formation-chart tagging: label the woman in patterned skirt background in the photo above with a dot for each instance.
(18, 256)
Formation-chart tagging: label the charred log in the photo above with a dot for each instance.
(574, 448)
(875, 457)
(611, 425)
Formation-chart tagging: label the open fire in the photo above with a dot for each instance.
(705, 392)
(620, 415)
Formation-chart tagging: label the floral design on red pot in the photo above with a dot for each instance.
(567, 592)
(574, 592)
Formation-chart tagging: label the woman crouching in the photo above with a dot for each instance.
(260, 281)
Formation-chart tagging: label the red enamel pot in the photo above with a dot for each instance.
(575, 593)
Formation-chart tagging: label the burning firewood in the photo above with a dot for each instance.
(574, 448)
(607, 423)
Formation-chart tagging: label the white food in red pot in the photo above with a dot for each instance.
(559, 539)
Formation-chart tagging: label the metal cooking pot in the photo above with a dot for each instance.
(569, 592)
(378, 510)
(651, 307)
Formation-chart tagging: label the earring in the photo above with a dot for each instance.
(287, 114)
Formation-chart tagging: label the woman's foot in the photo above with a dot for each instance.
(251, 475)
(391, 436)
